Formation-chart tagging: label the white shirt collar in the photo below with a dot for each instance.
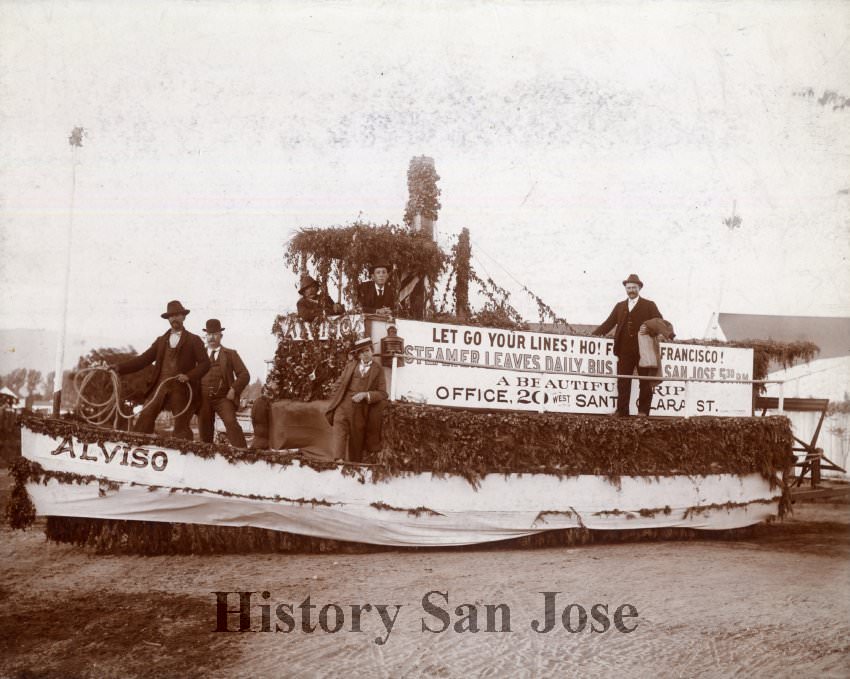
(632, 302)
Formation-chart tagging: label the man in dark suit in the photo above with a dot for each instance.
(312, 303)
(221, 388)
(628, 316)
(356, 407)
(377, 296)
(177, 354)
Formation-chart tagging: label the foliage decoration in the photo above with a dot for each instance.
(306, 369)
(20, 511)
(474, 443)
(462, 266)
(348, 251)
(423, 191)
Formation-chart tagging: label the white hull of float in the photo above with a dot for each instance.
(423, 509)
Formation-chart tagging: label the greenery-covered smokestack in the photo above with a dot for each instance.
(422, 204)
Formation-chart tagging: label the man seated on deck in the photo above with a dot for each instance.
(357, 405)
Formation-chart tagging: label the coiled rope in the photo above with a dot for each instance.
(103, 412)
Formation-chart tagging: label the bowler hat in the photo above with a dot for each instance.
(378, 265)
(306, 283)
(213, 325)
(174, 308)
(633, 278)
(362, 343)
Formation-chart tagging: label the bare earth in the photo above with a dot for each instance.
(777, 604)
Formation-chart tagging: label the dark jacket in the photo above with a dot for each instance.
(192, 360)
(375, 381)
(644, 310)
(370, 300)
(311, 309)
(233, 371)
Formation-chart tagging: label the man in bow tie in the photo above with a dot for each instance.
(356, 408)
(221, 388)
(377, 296)
(177, 354)
(628, 316)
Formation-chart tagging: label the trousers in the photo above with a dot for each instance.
(626, 365)
(226, 410)
(175, 398)
(357, 427)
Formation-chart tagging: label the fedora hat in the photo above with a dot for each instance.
(213, 325)
(306, 282)
(174, 308)
(362, 343)
(633, 278)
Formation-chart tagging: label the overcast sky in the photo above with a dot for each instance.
(579, 142)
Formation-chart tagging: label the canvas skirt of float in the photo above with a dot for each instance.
(112, 479)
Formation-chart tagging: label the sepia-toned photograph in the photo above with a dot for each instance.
(435, 339)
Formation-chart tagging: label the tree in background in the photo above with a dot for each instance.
(15, 380)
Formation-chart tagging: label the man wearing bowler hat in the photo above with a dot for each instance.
(356, 408)
(221, 388)
(377, 296)
(628, 316)
(177, 354)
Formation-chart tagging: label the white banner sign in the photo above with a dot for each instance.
(147, 464)
(513, 370)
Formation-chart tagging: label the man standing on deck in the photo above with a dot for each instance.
(628, 316)
(177, 354)
(221, 388)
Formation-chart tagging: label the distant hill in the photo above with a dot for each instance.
(28, 348)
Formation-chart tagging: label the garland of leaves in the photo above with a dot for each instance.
(353, 248)
(474, 443)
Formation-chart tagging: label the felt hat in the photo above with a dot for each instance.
(633, 278)
(380, 264)
(362, 343)
(174, 308)
(213, 325)
(306, 282)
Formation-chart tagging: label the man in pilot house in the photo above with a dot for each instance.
(377, 296)
(628, 316)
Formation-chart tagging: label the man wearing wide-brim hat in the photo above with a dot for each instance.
(628, 316)
(221, 388)
(377, 296)
(312, 303)
(356, 408)
(179, 359)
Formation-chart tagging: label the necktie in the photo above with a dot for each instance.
(212, 356)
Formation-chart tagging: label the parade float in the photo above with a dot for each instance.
(493, 431)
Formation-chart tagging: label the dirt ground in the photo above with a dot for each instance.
(777, 604)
